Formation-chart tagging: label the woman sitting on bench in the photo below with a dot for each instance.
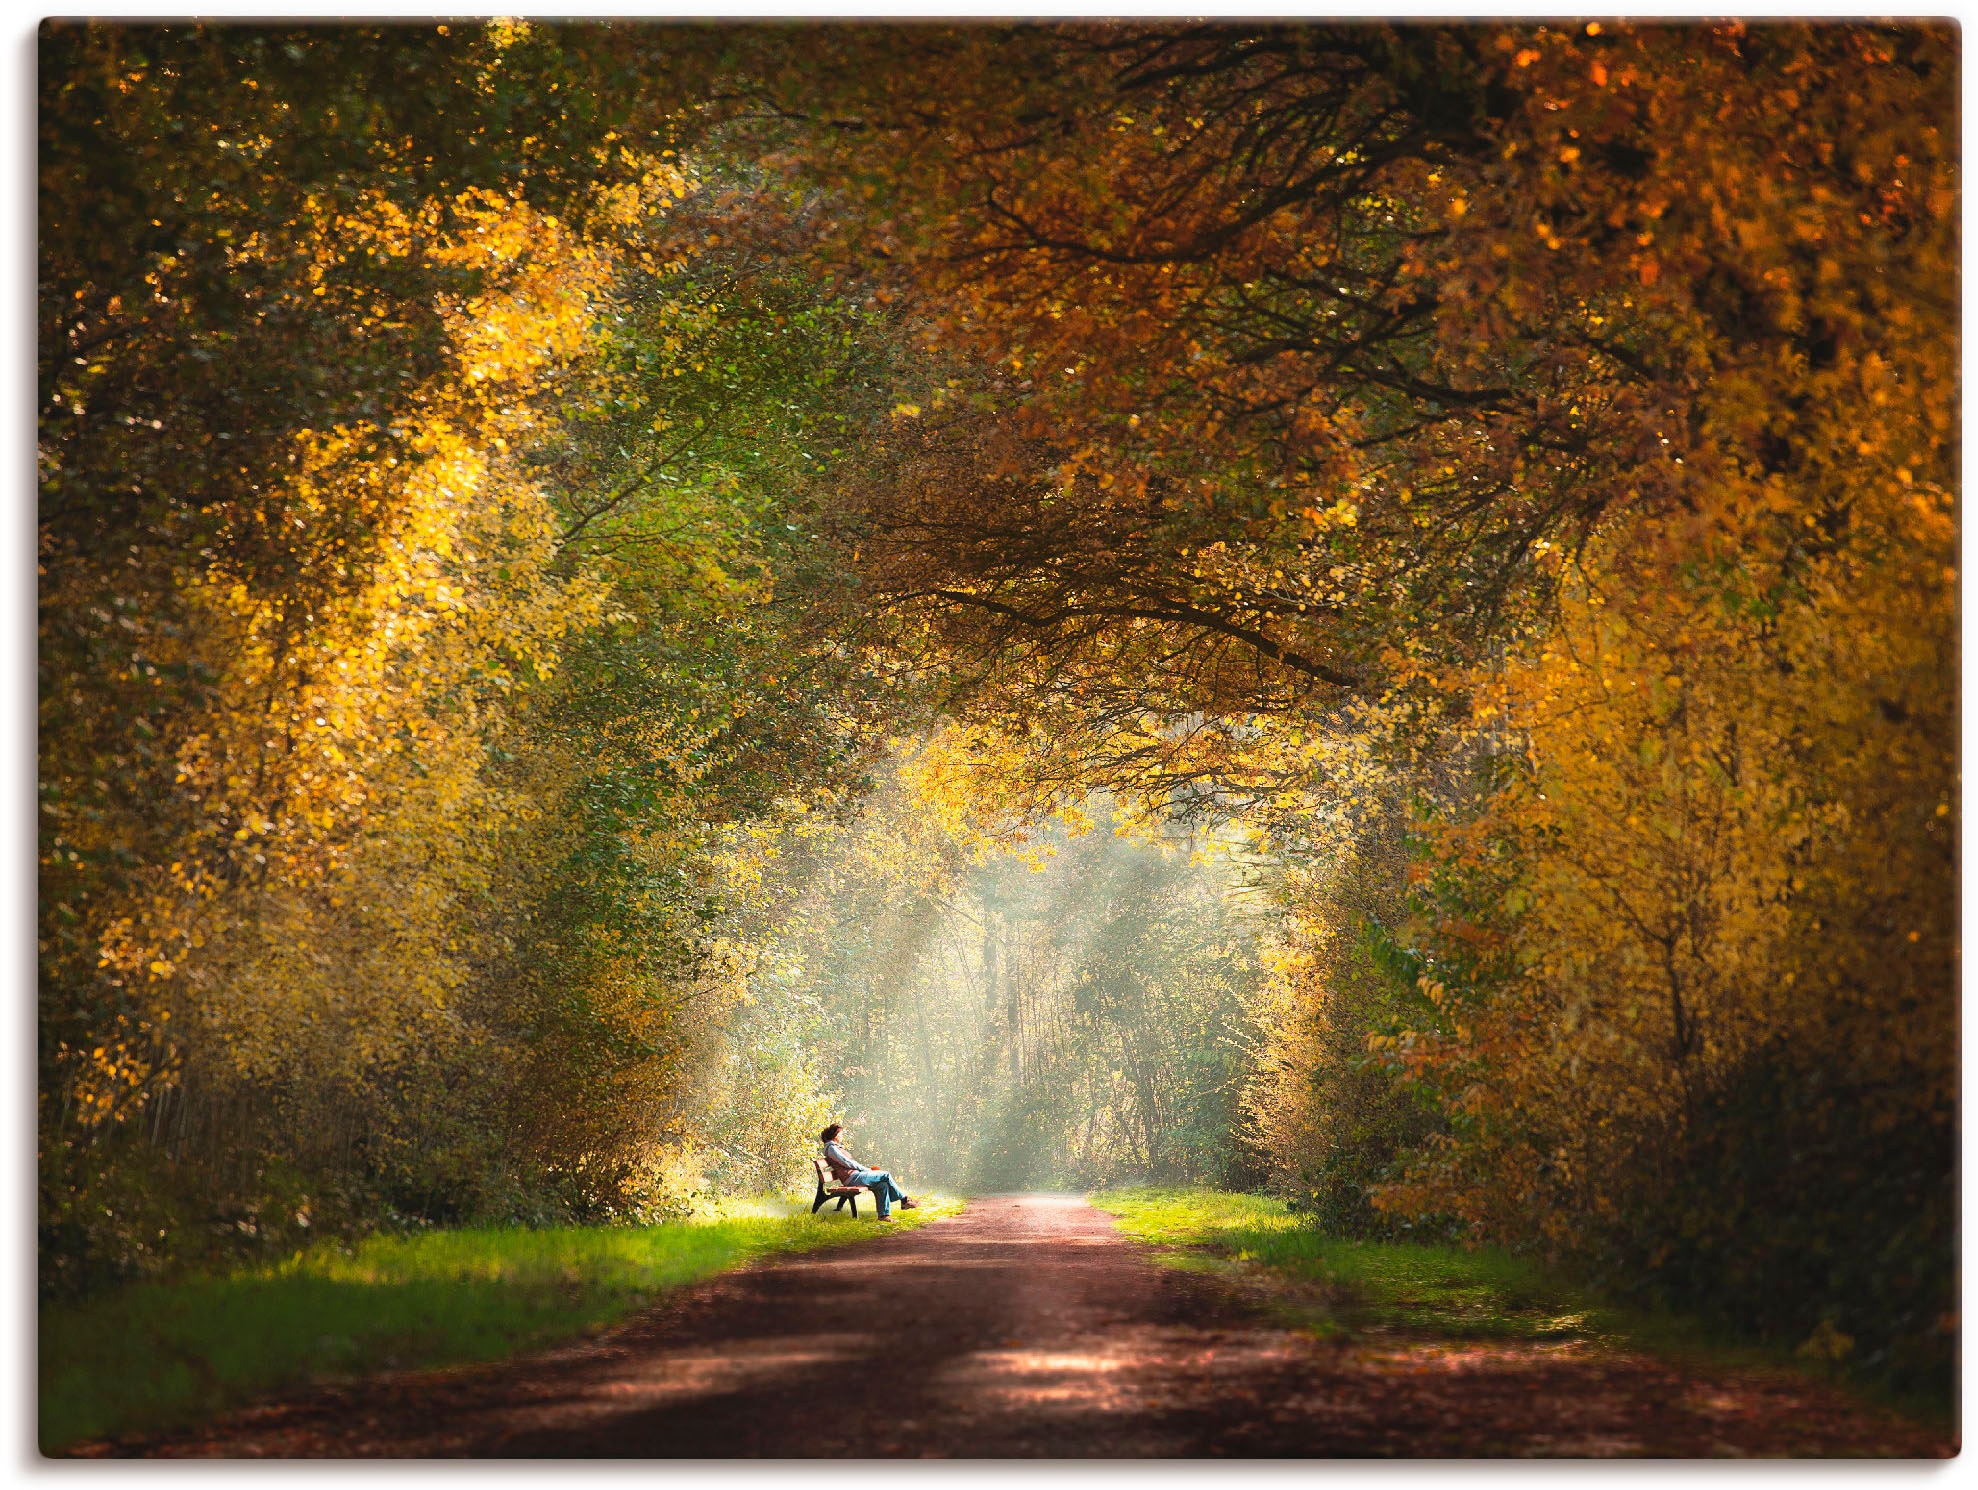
(850, 1172)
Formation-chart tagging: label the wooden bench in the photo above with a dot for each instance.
(828, 1187)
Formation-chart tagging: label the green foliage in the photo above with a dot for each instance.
(717, 393)
(1334, 1119)
(1810, 1218)
(405, 879)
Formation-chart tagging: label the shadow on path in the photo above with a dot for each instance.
(1027, 1326)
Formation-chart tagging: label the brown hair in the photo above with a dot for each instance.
(832, 1132)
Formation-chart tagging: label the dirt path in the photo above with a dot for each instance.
(1028, 1327)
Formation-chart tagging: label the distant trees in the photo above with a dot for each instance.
(1071, 1012)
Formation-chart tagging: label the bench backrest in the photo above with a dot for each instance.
(829, 1180)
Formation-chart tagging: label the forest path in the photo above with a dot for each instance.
(1027, 1326)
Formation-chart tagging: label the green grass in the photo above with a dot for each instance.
(1354, 1286)
(156, 1355)
(1340, 1288)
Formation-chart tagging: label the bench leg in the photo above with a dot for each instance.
(819, 1200)
(855, 1206)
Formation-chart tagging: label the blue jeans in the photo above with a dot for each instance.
(880, 1183)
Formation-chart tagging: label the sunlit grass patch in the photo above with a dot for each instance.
(1338, 1287)
(1449, 1291)
(153, 1355)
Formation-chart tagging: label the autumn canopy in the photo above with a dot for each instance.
(605, 588)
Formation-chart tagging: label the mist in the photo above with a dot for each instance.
(1069, 1015)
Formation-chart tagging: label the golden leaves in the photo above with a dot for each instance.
(342, 750)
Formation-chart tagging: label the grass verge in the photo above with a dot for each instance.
(1355, 1287)
(152, 1356)
(1341, 1288)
